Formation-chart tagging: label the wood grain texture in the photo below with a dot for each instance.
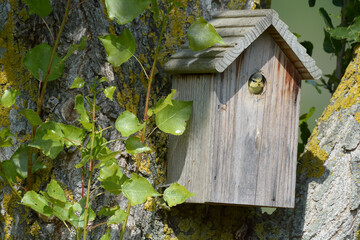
(239, 29)
(240, 148)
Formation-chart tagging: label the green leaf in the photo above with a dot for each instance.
(54, 190)
(176, 194)
(37, 203)
(311, 3)
(268, 210)
(20, 160)
(107, 212)
(5, 138)
(72, 136)
(80, 46)
(31, 116)
(326, 18)
(138, 189)
(155, 10)
(37, 62)
(45, 141)
(80, 108)
(125, 11)
(118, 217)
(338, 3)
(109, 92)
(77, 213)
(119, 49)
(10, 171)
(39, 7)
(309, 47)
(202, 35)
(78, 83)
(306, 116)
(109, 156)
(106, 236)
(9, 97)
(134, 146)
(351, 33)
(172, 119)
(83, 161)
(112, 178)
(161, 104)
(330, 44)
(127, 124)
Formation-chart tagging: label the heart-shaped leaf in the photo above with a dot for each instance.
(109, 92)
(172, 119)
(125, 11)
(119, 49)
(134, 146)
(176, 194)
(127, 124)
(39, 7)
(138, 189)
(37, 62)
(31, 116)
(9, 97)
(202, 35)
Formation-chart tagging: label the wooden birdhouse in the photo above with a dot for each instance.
(240, 146)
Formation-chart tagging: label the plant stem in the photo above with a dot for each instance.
(86, 214)
(43, 90)
(123, 227)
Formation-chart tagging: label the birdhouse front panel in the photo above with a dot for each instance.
(240, 146)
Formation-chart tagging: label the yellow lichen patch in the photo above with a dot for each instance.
(127, 96)
(313, 158)
(145, 165)
(236, 4)
(150, 204)
(357, 117)
(34, 229)
(8, 202)
(347, 93)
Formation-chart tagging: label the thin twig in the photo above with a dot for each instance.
(78, 5)
(47, 26)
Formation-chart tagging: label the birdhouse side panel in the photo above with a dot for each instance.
(189, 155)
(278, 152)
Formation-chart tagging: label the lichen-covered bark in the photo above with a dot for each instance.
(327, 200)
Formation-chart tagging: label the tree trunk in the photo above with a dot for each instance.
(327, 200)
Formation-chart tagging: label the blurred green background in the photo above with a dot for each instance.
(307, 22)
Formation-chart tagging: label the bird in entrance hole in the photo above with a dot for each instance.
(256, 83)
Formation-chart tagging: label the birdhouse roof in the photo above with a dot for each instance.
(239, 28)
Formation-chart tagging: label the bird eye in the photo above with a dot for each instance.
(256, 83)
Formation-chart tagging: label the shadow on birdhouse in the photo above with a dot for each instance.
(241, 143)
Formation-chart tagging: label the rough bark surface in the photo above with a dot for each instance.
(327, 200)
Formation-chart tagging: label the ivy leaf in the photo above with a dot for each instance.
(127, 124)
(138, 189)
(125, 11)
(5, 138)
(39, 7)
(80, 46)
(9, 97)
(106, 236)
(161, 104)
(37, 62)
(172, 119)
(48, 143)
(37, 203)
(109, 92)
(112, 178)
(176, 194)
(118, 217)
(31, 116)
(202, 35)
(119, 49)
(78, 83)
(134, 146)
(80, 108)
